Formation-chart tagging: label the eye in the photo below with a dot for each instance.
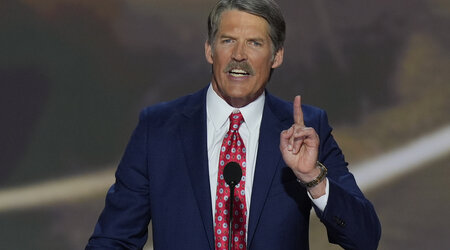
(255, 43)
(227, 41)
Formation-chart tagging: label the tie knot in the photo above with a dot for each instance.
(236, 119)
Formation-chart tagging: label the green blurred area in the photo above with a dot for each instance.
(74, 76)
(423, 89)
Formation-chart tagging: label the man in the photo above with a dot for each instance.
(172, 170)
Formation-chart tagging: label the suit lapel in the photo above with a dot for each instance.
(267, 162)
(192, 133)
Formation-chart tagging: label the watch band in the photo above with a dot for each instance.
(322, 175)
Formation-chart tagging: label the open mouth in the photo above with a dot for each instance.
(238, 73)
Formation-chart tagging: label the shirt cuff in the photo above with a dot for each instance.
(322, 201)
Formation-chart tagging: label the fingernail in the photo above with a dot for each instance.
(289, 147)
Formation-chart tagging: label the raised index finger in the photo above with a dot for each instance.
(298, 113)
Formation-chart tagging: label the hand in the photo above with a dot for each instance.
(299, 146)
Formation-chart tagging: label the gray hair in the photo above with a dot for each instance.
(267, 9)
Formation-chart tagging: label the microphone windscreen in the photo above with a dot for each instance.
(232, 173)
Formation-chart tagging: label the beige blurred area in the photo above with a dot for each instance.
(75, 74)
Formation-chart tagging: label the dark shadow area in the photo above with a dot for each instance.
(23, 95)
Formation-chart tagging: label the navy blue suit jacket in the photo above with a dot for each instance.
(163, 177)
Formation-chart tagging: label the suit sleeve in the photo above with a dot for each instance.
(124, 221)
(350, 218)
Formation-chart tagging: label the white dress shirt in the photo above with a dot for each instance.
(217, 123)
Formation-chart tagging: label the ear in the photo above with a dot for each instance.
(278, 59)
(208, 52)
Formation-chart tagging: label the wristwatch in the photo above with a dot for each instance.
(322, 175)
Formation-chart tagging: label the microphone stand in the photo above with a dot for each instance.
(232, 173)
(230, 225)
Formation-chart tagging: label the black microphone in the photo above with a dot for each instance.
(232, 173)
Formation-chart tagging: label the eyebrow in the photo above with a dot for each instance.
(261, 40)
(226, 36)
(257, 39)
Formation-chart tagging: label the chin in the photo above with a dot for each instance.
(238, 94)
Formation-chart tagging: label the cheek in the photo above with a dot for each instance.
(220, 64)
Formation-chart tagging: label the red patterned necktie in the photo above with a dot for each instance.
(232, 149)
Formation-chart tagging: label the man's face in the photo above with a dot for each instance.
(241, 57)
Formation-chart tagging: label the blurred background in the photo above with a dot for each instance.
(74, 75)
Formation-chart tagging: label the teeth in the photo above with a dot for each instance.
(238, 72)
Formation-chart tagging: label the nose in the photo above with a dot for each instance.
(239, 52)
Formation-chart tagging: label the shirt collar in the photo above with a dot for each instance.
(219, 110)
